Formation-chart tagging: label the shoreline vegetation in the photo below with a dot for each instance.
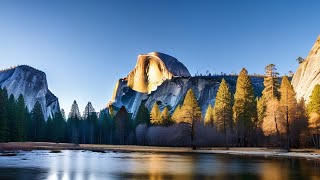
(304, 153)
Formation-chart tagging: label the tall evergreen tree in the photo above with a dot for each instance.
(300, 124)
(244, 109)
(39, 124)
(269, 102)
(74, 123)
(288, 104)
(20, 115)
(74, 112)
(3, 118)
(50, 131)
(176, 115)
(166, 117)
(313, 108)
(12, 119)
(122, 125)
(191, 113)
(271, 83)
(261, 111)
(314, 103)
(143, 115)
(208, 118)
(190, 110)
(29, 131)
(59, 127)
(155, 115)
(90, 123)
(223, 108)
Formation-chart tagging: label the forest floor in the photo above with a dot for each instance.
(307, 153)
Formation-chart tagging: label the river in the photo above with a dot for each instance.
(113, 165)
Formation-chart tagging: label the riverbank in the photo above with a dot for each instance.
(245, 151)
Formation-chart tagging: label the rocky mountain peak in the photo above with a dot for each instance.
(153, 69)
(32, 84)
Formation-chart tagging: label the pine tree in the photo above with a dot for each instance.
(39, 124)
(244, 109)
(59, 127)
(29, 131)
(155, 115)
(12, 119)
(143, 115)
(166, 117)
(288, 104)
(261, 111)
(208, 118)
(74, 123)
(223, 108)
(3, 117)
(176, 116)
(74, 112)
(90, 123)
(271, 82)
(313, 108)
(190, 110)
(122, 125)
(269, 102)
(191, 113)
(50, 132)
(270, 124)
(299, 126)
(20, 115)
(314, 103)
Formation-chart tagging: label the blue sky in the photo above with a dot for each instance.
(84, 47)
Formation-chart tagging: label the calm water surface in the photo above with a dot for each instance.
(91, 165)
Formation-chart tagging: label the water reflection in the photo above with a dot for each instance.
(89, 165)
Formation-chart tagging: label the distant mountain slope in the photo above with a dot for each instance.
(32, 84)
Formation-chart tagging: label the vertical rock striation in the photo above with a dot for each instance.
(163, 79)
(32, 84)
(308, 73)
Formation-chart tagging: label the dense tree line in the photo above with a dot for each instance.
(276, 118)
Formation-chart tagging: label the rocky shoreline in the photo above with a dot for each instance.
(7, 148)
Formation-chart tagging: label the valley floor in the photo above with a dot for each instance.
(245, 151)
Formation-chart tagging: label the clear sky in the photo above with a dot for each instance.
(84, 47)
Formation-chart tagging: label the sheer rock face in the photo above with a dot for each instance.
(152, 70)
(171, 92)
(308, 73)
(32, 84)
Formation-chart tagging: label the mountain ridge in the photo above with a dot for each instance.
(32, 84)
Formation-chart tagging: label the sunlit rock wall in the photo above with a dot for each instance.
(152, 70)
(308, 73)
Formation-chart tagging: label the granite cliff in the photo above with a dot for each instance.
(155, 80)
(308, 73)
(32, 84)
